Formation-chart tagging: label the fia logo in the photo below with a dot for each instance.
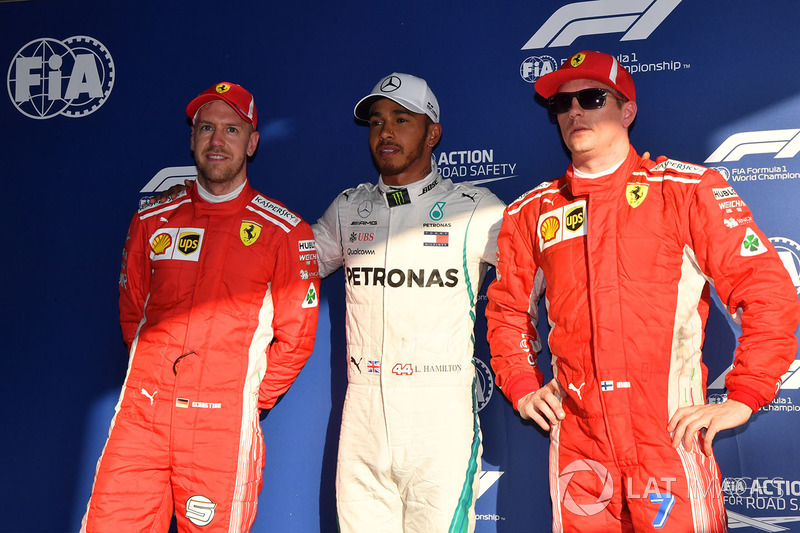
(484, 383)
(789, 252)
(535, 67)
(48, 77)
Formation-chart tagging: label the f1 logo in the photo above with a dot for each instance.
(637, 18)
(783, 143)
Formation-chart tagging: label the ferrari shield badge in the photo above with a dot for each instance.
(249, 232)
(636, 193)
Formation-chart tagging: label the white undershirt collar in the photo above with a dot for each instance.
(215, 199)
(588, 176)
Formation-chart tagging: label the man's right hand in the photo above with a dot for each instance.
(543, 406)
(171, 193)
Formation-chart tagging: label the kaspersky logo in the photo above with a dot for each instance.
(635, 19)
(784, 144)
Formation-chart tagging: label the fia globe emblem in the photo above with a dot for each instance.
(789, 253)
(48, 77)
(534, 67)
(484, 383)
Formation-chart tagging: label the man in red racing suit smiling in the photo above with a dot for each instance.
(626, 248)
(218, 305)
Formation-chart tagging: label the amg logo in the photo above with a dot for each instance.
(398, 278)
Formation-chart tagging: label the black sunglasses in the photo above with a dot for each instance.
(593, 98)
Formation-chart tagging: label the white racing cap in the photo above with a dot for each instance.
(409, 91)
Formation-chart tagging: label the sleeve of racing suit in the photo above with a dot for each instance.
(490, 211)
(512, 311)
(134, 279)
(752, 282)
(295, 297)
(327, 233)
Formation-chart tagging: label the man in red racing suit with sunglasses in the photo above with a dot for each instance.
(626, 248)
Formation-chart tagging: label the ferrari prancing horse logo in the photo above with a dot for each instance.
(249, 232)
(635, 193)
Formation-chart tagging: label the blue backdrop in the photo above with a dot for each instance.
(94, 120)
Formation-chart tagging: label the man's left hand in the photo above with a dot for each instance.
(715, 417)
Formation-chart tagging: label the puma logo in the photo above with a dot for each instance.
(151, 396)
(352, 360)
(578, 390)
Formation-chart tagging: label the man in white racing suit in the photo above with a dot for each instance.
(414, 248)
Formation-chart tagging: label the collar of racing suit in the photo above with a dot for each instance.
(618, 178)
(416, 189)
(205, 208)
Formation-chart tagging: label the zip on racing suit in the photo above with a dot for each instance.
(414, 259)
(218, 305)
(626, 260)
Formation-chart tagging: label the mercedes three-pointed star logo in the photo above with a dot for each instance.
(392, 83)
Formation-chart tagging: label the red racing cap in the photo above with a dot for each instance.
(232, 94)
(589, 65)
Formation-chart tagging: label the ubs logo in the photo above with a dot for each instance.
(361, 236)
(188, 243)
(48, 77)
(575, 219)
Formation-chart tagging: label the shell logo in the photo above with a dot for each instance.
(549, 228)
(161, 243)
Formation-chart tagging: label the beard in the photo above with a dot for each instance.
(387, 168)
(217, 173)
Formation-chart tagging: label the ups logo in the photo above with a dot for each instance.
(188, 243)
(574, 219)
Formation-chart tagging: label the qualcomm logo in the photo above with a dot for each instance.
(782, 143)
(636, 18)
(48, 77)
